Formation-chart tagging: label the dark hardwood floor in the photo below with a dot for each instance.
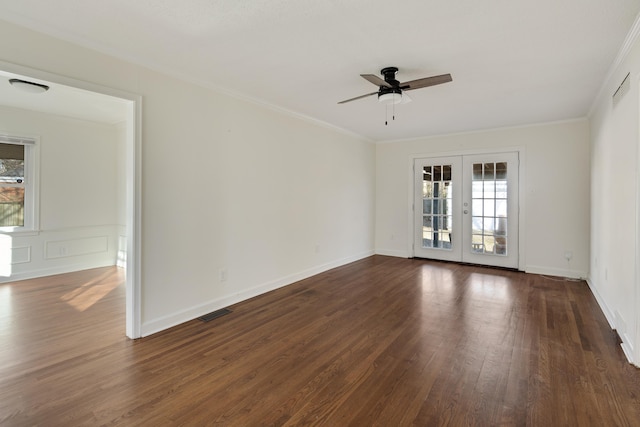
(383, 341)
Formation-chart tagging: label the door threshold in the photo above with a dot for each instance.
(495, 267)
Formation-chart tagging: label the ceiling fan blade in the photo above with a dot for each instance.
(375, 80)
(426, 82)
(358, 97)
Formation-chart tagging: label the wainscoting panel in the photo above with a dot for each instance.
(20, 255)
(49, 252)
(76, 247)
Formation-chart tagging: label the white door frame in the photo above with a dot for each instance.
(521, 189)
(634, 353)
(133, 178)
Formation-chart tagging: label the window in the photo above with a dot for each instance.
(489, 208)
(17, 184)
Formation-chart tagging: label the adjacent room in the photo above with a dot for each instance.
(422, 216)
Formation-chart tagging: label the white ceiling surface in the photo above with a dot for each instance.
(63, 100)
(512, 62)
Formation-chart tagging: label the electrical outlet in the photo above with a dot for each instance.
(568, 255)
(223, 274)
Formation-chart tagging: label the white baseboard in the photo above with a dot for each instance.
(626, 345)
(627, 348)
(393, 252)
(171, 320)
(62, 269)
(558, 272)
(608, 314)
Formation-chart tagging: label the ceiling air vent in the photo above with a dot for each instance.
(621, 91)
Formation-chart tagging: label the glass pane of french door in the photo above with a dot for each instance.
(490, 209)
(437, 223)
(437, 196)
(489, 216)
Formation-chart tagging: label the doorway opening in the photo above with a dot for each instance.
(97, 98)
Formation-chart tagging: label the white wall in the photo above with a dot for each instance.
(614, 195)
(78, 195)
(232, 186)
(226, 185)
(555, 203)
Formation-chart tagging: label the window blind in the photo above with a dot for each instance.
(11, 151)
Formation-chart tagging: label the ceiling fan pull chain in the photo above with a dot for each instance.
(386, 114)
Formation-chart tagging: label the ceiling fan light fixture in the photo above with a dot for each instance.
(390, 98)
(391, 91)
(27, 86)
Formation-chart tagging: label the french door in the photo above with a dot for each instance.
(466, 209)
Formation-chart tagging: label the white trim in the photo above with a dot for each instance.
(636, 264)
(411, 208)
(50, 271)
(272, 107)
(481, 131)
(468, 152)
(134, 221)
(134, 193)
(522, 217)
(31, 184)
(558, 272)
(608, 314)
(626, 345)
(627, 348)
(171, 320)
(32, 178)
(9, 138)
(628, 43)
(393, 253)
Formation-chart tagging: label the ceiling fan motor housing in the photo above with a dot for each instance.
(393, 94)
(389, 74)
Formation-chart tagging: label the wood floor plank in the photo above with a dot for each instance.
(383, 341)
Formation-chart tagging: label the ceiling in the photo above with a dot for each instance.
(512, 62)
(63, 100)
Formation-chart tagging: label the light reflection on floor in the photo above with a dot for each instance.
(477, 309)
(91, 292)
(489, 286)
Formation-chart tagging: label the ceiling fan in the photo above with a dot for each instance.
(391, 90)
